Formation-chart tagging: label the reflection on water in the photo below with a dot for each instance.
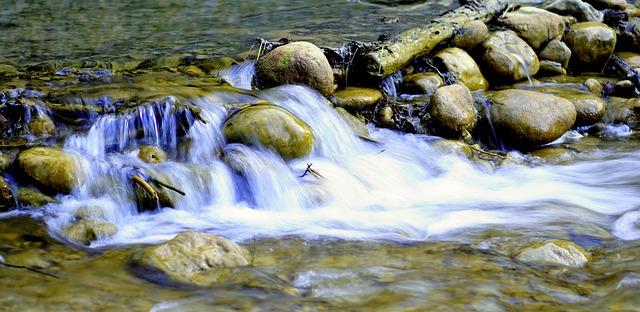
(34, 31)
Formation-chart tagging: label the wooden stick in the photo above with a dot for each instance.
(137, 179)
(414, 43)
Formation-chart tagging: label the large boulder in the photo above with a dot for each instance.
(460, 64)
(591, 44)
(50, 169)
(508, 58)
(270, 126)
(86, 231)
(452, 111)
(194, 258)
(589, 108)
(526, 119)
(300, 63)
(536, 26)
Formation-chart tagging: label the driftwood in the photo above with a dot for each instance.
(390, 56)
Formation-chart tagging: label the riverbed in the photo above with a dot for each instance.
(396, 223)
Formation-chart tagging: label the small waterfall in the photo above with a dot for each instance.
(391, 83)
(239, 76)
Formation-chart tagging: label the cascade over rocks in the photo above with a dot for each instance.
(526, 119)
(295, 63)
(50, 169)
(194, 258)
(270, 126)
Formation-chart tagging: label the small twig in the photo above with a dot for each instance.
(29, 269)
(168, 186)
(136, 178)
(312, 172)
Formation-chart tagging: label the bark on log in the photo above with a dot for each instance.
(417, 42)
(626, 72)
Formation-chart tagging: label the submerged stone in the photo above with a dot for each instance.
(295, 63)
(356, 124)
(554, 252)
(270, 126)
(42, 125)
(194, 258)
(32, 197)
(86, 231)
(152, 154)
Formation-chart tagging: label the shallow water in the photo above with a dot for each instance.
(400, 225)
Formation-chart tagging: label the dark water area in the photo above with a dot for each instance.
(34, 31)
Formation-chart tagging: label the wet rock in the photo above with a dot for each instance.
(536, 26)
(526, 119)
(50, 169)
(591, 45)
(589, 108)
(86, 231)
(594, 86)
(356, 124)
(629, 36)
(631, 58)
(295, 63)
(551, 68)
(8, 71)
(192, 71)
(623, 110)
(624, 88)
(421, 83)
(152, 154)
(42, 125)
(146, 202)
(386, 118)
(454, 147)
(470, 35)
(32, 197)
(357, 99)
(556, 51)
(459, 63)
(194, 258)
(271, 126)
(5, 162)
(6, 198)
(582, 11)
(554, 252)
(452, 111)
(508, 58)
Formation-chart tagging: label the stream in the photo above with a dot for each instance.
(400, 225)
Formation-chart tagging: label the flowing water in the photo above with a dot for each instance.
(399, 225)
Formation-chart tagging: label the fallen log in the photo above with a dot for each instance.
(390, 56)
